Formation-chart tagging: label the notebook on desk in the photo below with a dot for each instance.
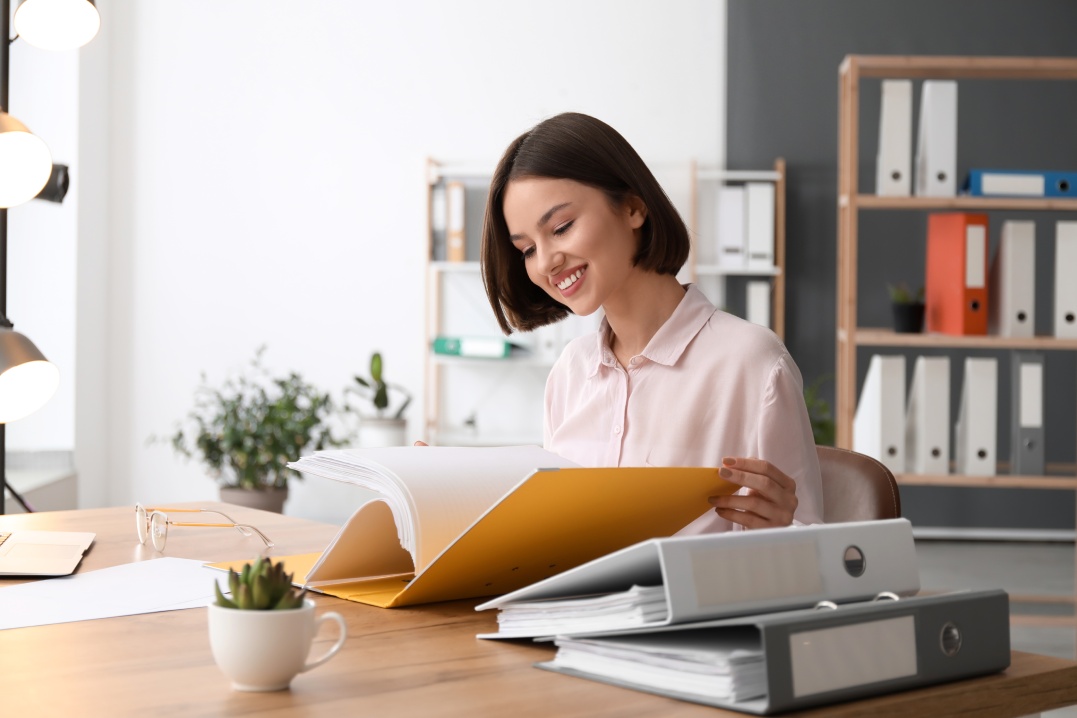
(42, 553)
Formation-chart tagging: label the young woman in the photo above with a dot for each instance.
(575, 222)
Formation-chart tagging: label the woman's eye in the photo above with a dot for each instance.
(528, 253)
(563, 228)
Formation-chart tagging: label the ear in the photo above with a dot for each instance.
(635, 211)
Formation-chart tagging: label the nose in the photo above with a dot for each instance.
(550, 259)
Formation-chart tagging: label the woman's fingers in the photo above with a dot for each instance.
(770, 499)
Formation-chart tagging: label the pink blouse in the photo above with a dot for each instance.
(707, 386)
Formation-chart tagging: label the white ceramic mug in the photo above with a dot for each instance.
(265, 650)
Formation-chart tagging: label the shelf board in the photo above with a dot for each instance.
(450, 267)
(465, 438)
(461, 171)
(517, 361)
(868, 336)
(720, 175)
(715, 270)
(1004, 481)
(964, 202)
(960, 67)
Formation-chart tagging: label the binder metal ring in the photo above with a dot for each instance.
(886, 596)
(825, 605)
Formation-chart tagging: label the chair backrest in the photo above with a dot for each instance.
(856, 487)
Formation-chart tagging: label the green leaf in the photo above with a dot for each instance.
(375, 367)
(222, 600)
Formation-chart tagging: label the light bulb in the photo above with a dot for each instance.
(25, 388)
(25, 162)
(57, 24)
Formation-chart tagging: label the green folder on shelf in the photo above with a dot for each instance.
(478, 347)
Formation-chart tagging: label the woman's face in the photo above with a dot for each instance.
(574, 243)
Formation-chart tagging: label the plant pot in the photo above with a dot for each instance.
(908, 318)
(382, 432)
(271, 499)
(265, 650)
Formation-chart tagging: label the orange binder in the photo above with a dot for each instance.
(956, 286)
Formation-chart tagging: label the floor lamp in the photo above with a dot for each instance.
(27, 379)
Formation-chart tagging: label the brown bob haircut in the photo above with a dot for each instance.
(580, 148)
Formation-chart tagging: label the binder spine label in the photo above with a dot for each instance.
(832, 659)
(744, 574)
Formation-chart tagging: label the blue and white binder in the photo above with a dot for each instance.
(769, 663)
(1020, 183)
(689, 578)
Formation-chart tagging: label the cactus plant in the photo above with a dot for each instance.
(260, 586)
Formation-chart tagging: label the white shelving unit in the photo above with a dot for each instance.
(851, 336)
(703, 268)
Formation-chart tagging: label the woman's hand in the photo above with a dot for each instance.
(771, 499)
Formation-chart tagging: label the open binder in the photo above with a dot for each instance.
(550, 520)
(769, 663)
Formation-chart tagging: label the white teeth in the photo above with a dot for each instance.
(570, 280)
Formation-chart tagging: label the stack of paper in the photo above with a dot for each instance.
(720, 665)
(638, 606)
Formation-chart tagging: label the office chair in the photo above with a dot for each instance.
(856, 487)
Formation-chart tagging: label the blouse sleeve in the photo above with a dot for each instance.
(786, 439)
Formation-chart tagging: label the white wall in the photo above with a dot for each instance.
(264, 167)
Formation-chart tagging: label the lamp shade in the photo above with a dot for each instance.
(27, 378)
(57, 24)
(25, 162)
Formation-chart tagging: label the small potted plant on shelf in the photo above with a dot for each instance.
(385, 426)
(908, 308)
(261, 634)
(822, 420)
(247, 430)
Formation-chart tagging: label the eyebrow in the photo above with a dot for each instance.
(542, 220)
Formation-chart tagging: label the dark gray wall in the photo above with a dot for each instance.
(783, 59)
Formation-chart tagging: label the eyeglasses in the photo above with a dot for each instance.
(153, 523)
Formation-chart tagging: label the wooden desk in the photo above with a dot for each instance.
(421, 661)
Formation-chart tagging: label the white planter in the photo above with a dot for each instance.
(264, 650)
(374, 432)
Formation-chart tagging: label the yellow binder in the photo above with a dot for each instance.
(553, 520)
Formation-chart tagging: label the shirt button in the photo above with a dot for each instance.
(635, 361)
(617, 430)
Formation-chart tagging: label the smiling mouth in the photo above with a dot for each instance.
(570, 279)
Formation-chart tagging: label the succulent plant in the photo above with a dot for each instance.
(260, 586)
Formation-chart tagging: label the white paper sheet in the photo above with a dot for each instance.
(162, 584)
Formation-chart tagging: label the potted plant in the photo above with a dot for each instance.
(822, 420)
(261, 635)
(908, 308)
(385, 426)
(247, 430)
